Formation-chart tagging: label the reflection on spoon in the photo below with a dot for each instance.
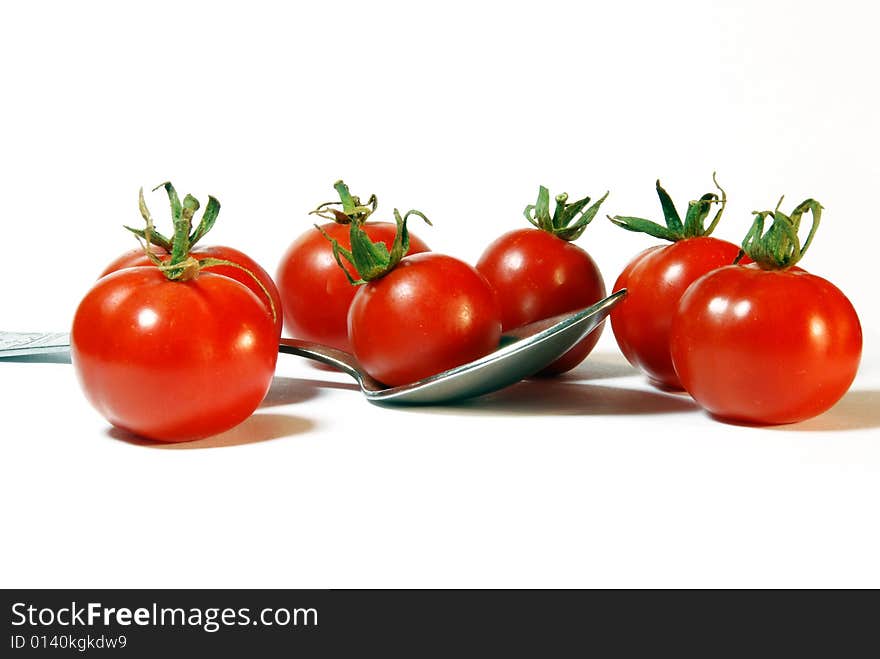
(523, 352)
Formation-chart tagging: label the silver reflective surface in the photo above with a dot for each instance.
(523, 352)
(22, 344)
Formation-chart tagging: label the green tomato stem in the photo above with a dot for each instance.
(372, 260)
(352, 211)
(181, 266)
(694, 225)
(779, 247)
(569, 220)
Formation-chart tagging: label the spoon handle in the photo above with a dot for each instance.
(34, 344)
(340, 359)
(23, 344)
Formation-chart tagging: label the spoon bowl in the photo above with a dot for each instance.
(522, 352)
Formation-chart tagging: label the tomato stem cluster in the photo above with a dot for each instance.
(694, 225)
(372, 260)
(182, 266)
(779, 247)
(182, 215)
(352, 210)
(569, 220)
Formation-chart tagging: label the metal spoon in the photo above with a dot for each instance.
(523, 352)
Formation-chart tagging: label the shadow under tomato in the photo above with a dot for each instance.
(857, 410)
(562, 397)
(321, 366)
(288, 391)
(255, 429)
(598, 366)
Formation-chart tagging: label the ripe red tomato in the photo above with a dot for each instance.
(537, 275)
(428, 314)
(137, 258)
(765, 346)
(173, 360)
(655, 280)
(315, 292)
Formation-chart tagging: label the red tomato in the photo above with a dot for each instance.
(170, 360)
(537, 275)
(765, 346)
(136, 258)
(315, 293)
(429, 314)
(655, 280)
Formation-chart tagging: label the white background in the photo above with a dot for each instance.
(460, 110)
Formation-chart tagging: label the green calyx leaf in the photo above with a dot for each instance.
(212, 210)
(779, 247)
(694, 225)
(156, 238)
(184, 237)
(349, 209)
(569, 220)
(372, 260)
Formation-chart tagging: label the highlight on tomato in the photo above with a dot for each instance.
(538, 272)
(174, 350)
(657, 277)
(767, 343)
(414, 316)
(315, 292)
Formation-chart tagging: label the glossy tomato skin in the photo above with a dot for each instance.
(429, 314)
(537, 275)
(137, 258)
(655, 281)
(764, 346)
(315, 293)
(173, 361)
